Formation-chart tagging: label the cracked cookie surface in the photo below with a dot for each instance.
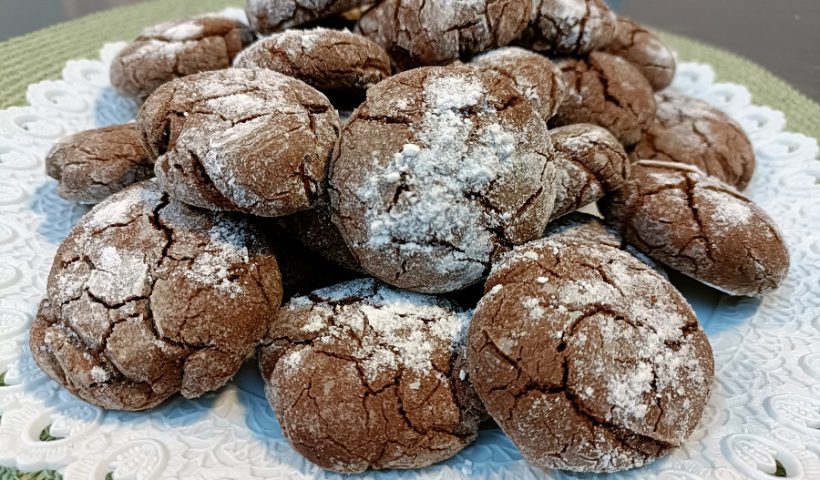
(148, 297)
(586, 228)
(690, 131)
(608, 91)
(94, 164)
(640, 47)
(586, 358)
(438, 171)
(534, 75)
(589, 162)
(568, 27)
(214, 132)
(699, 226)
(362, 375)
(436, 32)
(268, 16)
(328, 60)
(176, 49)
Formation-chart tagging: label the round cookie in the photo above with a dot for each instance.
(568, 27)
(640, 47)
(608, 91)
(361, 375)
(590, 162)
(534, 75)
(586, 228)
(691, 131)
(439, 170)
(148, 297)
(329, 60)
(436, 32)
(176, 49)
(699, 226)
(214, 132)
(94, 164)
(268, 16)
(587, 359)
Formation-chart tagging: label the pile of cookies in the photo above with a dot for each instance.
(406, 177)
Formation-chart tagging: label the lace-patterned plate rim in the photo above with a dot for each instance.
(762, 418)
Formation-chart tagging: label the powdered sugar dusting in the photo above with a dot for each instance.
(728, 211)
(395, 329)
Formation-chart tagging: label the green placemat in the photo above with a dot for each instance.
(41, 55)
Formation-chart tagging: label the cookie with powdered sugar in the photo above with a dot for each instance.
(534, 75)
(587, 359)
(378, 368)
(148, 297)
(176, 49)
(642, 48)
(437, 172)
(269, 16)
(699, 226)
(691, 131)
(214, 132)
(436, 32)
(94, 164)
(568, 27)
(590, 162)
(328, 60)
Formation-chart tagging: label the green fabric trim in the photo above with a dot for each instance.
(41, 55)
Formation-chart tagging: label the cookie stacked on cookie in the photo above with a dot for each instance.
(379, 177)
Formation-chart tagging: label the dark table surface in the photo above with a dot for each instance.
(781, 35)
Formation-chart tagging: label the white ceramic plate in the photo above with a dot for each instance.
(765, 409)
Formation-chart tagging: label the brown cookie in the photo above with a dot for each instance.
(315, 230)
(568, 27)
(148, 297)
(690, 131)
(440, 169)
(699, 226)
(640, 47)
(583, 227)
(362, 375)
(590, 162)
(176, 49)
(436, 32)
(95, 164)
(534, 75)
(588, 359)
(214, 132)
(608, 91)
(329, 60)
(268, 16)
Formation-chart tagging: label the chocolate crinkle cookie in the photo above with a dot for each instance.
(534, 75)
(361, 375)
(329, 60)
(439, 170)
(608, 91)
(568, 27)
(590, 162)
(588, 359)
(436, 32)
(94, 164)
(640, 47)
(268, 16)
(176, 49)
(214, 132)
(699, 226)
(690, 131)
(585, 228)
(148, 297)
